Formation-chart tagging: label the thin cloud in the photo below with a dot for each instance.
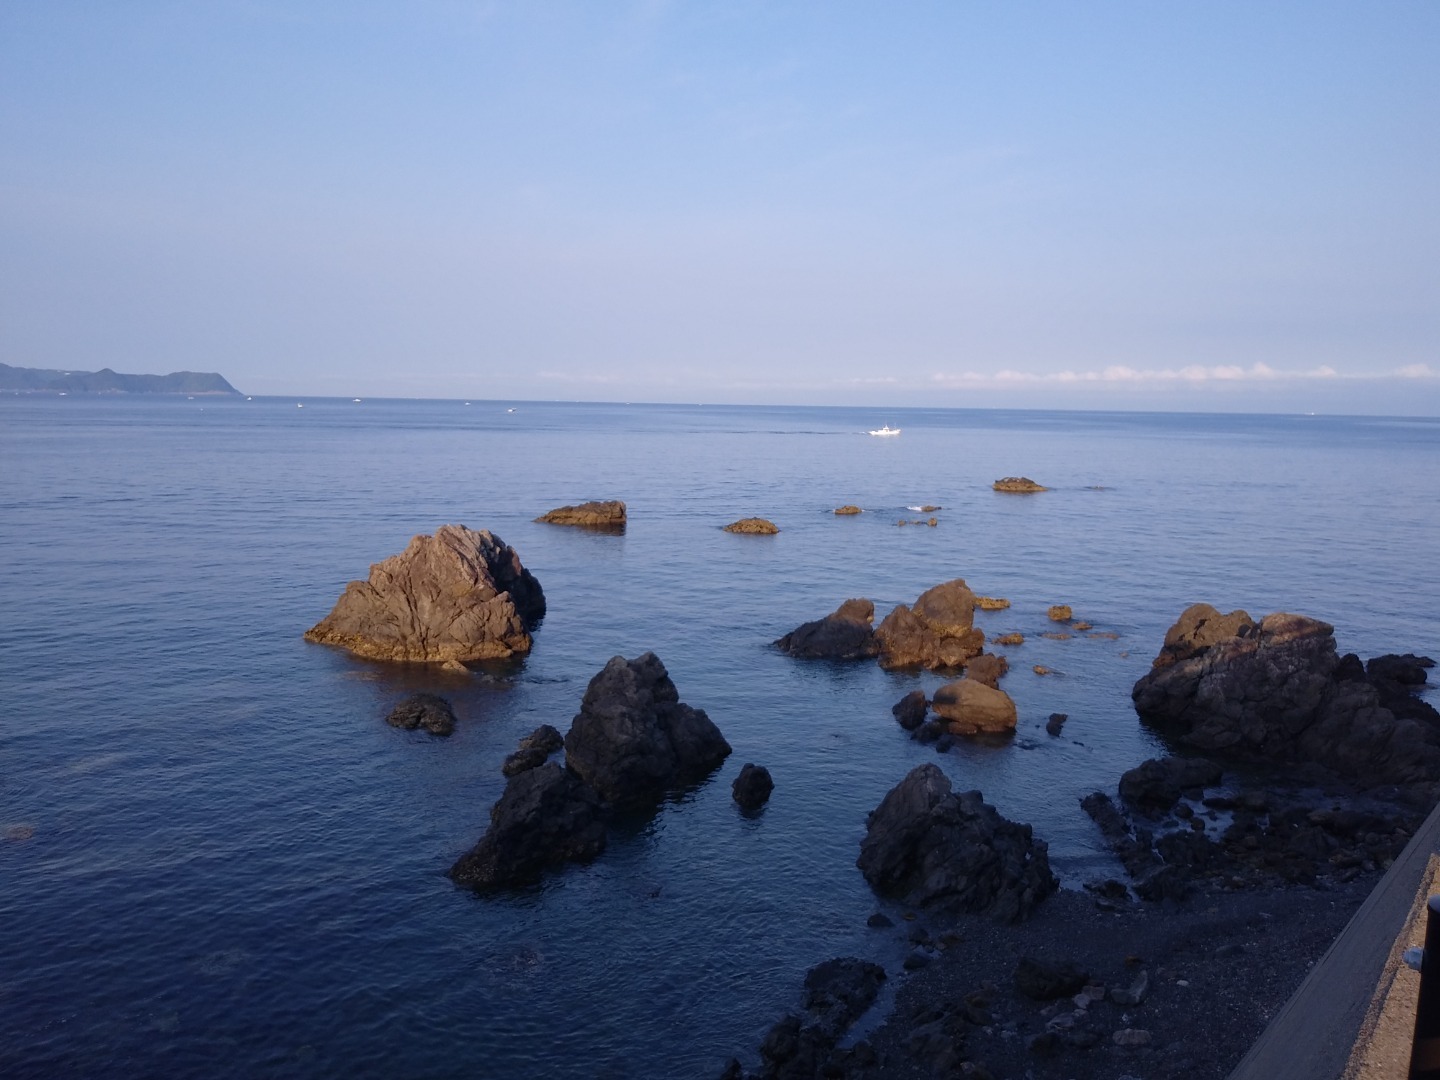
(1190, 374)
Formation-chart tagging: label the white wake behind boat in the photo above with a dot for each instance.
(886, 431)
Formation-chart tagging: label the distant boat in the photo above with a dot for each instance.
(356, 400)
(509, 410)
(886, 431)
(249, 399)
(298, 405)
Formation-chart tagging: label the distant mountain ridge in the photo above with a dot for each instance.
(105, 381)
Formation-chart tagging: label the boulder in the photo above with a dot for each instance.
(1055, 723)
(844, 634)
(837, 992)
(1155, 786)
(1277, 691)
(1046, 980)
(910, 710)
(533, 750)
(1017, 485)
(634, 739)
(752, 787)
(987, 668)
(934, 848)
(427, 711)
(547, 816)
(937, 632)
(969, 707)
(848, 510)
(457, 595)
(753, 527)
(608, 516)
(1059, 613)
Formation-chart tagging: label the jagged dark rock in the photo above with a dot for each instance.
(752, 787)
(937, 632)
(634, 740)
(1155, 786)
(934, 848)
(844, 634)
(426, 711)
(533, 750)
(910, 710)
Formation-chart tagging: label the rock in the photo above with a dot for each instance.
(1018, 485)
(753, 527)
(845, 511)
(634, 740)
(1163, 883)
(1042, 980)
(752, 787)
(839, 991)
(1059, 613)
(916, 959)
(1055, 723)
(1155, 786)
(987, 668)
(879, 921)
(609, 516)
(844, 634)
(928, 509)
(911, 709)
(533, 750)
(455, 667)
(937, 849)
(970, 708)
(1276, 691)
(937, 632)
(1131, 1037)
(991, 603)
(1135, 993)
(546, 816)
(457, 595)
(1008, 639)
(427, 711)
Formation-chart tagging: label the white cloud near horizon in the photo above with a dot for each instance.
(1192, 373)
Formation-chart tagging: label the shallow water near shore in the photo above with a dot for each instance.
(217, 859)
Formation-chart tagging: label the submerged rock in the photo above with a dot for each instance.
(753, 526)
(426, 711)
(634, 739)
(934, 848)
(608, 515)
(457, 595)
(546, 816)
(844, 634)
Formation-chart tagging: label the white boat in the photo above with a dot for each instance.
(886, 431)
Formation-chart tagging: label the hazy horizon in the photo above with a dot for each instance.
(1128, 207)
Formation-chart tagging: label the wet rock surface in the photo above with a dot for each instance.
(607, 516)
(846, 633)
(752, 788)
(932, 847)
(458, 595)
(425, 711)
(534, 749)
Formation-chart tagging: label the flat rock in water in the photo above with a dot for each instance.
(1017, 485)
(608, 515)
(457, 595)
(426, 711)
(848, 510)
(634, 739)
(753, 527)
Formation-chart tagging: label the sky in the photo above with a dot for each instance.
(1217, 206)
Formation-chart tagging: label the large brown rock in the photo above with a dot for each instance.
(969, 707)
(933, 848)
(609, 516)
(1018, 485)
(457, 595)
(753, 526)
(1277, 691)
(844, 634)
(937, 632)
(634, 739)
(987, 668)
(546, 817)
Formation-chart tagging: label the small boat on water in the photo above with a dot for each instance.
(886, 431)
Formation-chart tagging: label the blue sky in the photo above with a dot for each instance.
(1112, 205)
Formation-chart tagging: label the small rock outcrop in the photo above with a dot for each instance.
(970, 707)
(910, 710)
(844, 634)
(752, 787)
(546, 816)
(991, 603)
(753, 527)
(426, 711)
(457, 595)
(1277, 691)
(1155, 786)
(848, 510)
(533, 750)
(987, 668)
(938, 631)
(1059, 613)
(607, 516)
(1018, 485)
(934, 848)
(634, 739)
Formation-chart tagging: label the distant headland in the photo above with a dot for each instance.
(46, 381)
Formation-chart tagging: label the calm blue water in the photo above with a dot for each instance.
(216, 859)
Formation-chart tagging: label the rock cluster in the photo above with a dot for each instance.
(426, 711)
(1018, 485)
(1276, 691)
(455, 596)
(632, 742)
(934, 848)
(753, 526)
(607, 516)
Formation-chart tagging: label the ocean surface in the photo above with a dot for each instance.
(217, 860)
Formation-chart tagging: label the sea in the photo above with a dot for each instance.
(217, 860)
